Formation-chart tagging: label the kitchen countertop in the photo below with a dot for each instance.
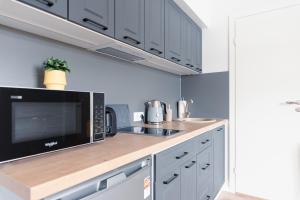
(38, 177)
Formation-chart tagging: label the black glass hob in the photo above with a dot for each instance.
(148, 131)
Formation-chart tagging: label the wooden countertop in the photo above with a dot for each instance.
(38, 177)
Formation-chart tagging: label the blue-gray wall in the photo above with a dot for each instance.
(210, 93)
(22, 54)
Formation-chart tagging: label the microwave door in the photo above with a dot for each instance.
(38, 121)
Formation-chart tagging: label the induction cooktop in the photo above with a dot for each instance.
(149, 131)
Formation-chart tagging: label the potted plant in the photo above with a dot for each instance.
(55, 73)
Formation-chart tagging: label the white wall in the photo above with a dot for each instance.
(215, 13)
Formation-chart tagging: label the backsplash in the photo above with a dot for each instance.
(22, 55)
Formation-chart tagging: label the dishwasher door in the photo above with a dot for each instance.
(131, 182)
(135, 187)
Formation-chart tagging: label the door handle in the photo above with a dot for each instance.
(170, 179)
(190, 165)
(46, 2)
(206, 166)
(198, 69)
(175, 59)
(206, 141)
(293, 102)
(181, 156)
(156, 50)
(131, 39)
(189, 65)
(93, 23)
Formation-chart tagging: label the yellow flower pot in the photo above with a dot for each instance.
(55, 79)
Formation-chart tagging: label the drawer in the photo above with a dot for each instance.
(56, 7)
(174, 156)
(204, 141)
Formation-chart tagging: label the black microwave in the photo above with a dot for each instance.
(35, 121)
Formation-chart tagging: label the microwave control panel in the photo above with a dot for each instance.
(98, 117)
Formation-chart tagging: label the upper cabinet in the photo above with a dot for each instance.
(129, 22)
(163, 34)
(188, 47)
(155, 27)
(97, 15)
(173, 32)
(57, 7)
(198, 47)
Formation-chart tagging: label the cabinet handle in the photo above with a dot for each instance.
(46, 2)
(156, 50)
(198, 69)
(189, 65)
(93, 23)
(181, 156)
(190, 165)
(131, 39)
(206, 166)
(175, 59)
(208, 197)
(220, 129)
(170, 179)
(206, 141)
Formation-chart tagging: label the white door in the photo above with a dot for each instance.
(267, 129)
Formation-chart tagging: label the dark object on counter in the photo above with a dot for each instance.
(122, 114)
(149, 131)
(155, 112)
(111, 121)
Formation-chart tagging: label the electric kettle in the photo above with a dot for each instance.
(155, 112)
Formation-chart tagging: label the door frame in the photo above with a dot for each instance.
(232, 22)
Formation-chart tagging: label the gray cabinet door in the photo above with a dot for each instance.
(56, 7)
(198, 51)
(219, 159)
(188, 51)
(168, 186)
(173, 32)
(205, 174)
(130, 22)
(189, 180)
(155, 27)
(97, 15)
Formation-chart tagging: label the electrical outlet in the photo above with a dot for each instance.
(137, 116)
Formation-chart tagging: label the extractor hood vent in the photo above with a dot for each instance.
(119, 54)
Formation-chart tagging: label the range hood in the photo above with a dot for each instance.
(26, 18)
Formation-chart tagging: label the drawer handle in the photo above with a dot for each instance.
(156, 50)
(170, 179)
(131, 39)
(206, 166)
(181, 156)
(220, 129)
(208, 197)
(93, 23)
(198, 69)
(46, 2)
(175, 59)
(190, 165)
(206, 141)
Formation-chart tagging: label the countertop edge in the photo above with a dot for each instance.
(51, 187)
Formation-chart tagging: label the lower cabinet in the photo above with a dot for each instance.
(198, 174)
(188, 180)
(205, 174)
(219, 159)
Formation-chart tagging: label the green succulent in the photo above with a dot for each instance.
(56, 64)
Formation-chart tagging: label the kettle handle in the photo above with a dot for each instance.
(165, 107)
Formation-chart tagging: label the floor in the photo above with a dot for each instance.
(237, 196)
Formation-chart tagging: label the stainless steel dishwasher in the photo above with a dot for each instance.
(131, 182)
